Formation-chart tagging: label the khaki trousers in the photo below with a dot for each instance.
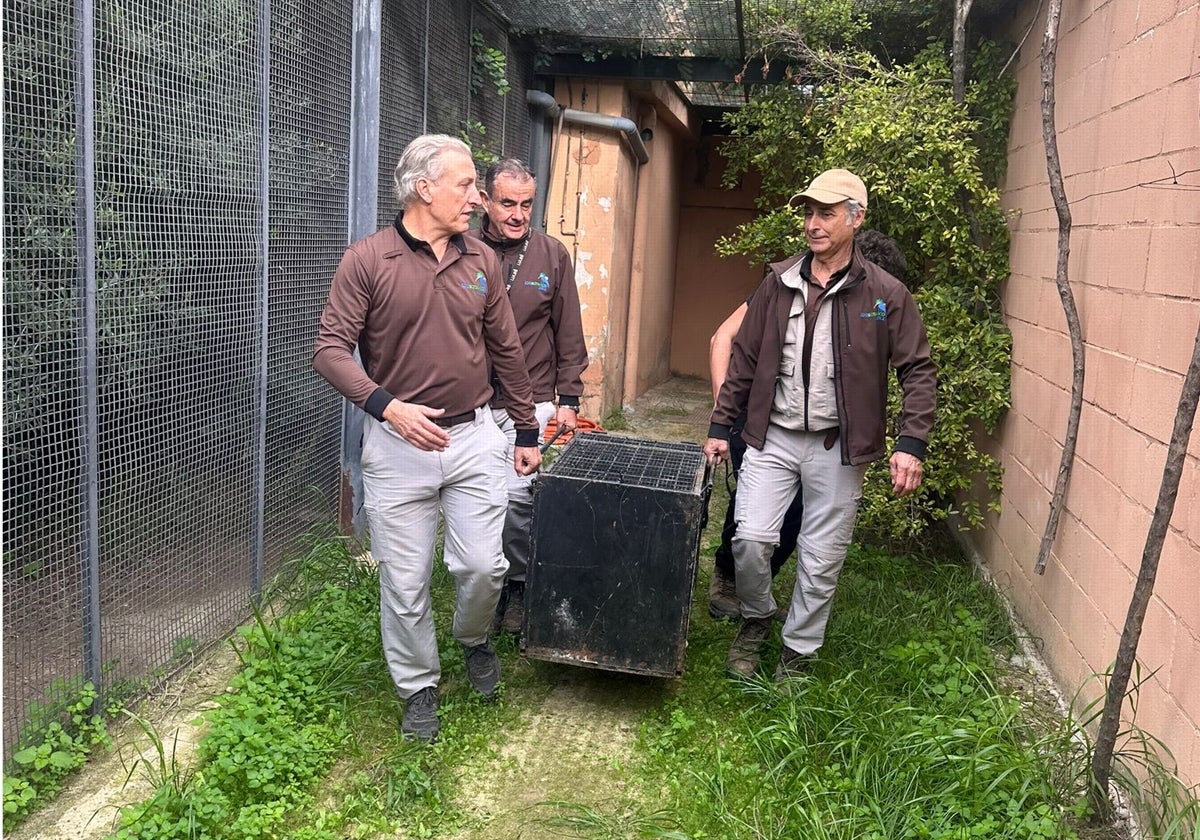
(404, 490)
(519, 519)
(767, 483)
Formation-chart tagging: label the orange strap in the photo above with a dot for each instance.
(582, 424)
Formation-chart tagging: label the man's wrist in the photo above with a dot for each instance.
(718, 431)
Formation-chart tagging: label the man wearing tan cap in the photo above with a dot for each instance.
(809, 366)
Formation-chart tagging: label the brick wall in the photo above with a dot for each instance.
(1128, 114)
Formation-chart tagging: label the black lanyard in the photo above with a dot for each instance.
(512, 272)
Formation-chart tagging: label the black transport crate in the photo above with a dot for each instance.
(615, 539)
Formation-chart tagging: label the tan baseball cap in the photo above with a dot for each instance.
(833, 186)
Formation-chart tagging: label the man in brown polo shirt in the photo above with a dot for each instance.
(426, 308)
(540, 281)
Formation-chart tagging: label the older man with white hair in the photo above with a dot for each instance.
(810, 366)
(426, 307)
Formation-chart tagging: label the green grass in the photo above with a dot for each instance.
(906, 727)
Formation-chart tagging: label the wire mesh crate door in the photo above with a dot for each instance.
(616, 534)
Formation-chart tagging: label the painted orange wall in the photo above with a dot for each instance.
(651, 285)
(647, 361)
(1128, 101)
(707, 286)
(591, 209)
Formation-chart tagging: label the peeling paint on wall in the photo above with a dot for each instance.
(605, 204)
(583, 277)
(603, 271)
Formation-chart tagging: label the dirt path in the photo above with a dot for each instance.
(572, 748)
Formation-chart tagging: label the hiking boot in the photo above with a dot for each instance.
(483, 669)
(420, 716)
(498, 618)
(792, 664)
(722, 597)
(746, 650)
(514, 609)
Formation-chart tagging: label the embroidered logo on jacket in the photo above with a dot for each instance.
(478, 286)
(879, 313)
(542, 284)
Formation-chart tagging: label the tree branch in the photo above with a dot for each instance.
(1054, 172)
(1110, 719)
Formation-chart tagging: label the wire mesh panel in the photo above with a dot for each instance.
(449, 66)
(42, 522)
(615, 540)
(632, 462)
(517, 120)
(179, 273)
(490, 85)
(659, 27)
(403, 61)
(199, 449)
(310, 135)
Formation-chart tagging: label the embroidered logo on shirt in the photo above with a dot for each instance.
(478, 286)
(879, 313)
(542, 284)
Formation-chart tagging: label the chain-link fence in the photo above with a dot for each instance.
(176, 197)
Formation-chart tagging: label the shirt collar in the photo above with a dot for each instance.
(415, 244)
(834, 279)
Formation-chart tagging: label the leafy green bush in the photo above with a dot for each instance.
(58, 740)
(283, 723)
(932, 189)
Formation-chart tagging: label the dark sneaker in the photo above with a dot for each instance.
(514, 610)
(420, 716)
(792, 664)
(722, 597)
(746, 651)
(483, 669)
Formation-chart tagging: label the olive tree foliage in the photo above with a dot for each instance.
(920, 154)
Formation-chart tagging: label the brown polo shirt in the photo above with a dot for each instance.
(424, 329)
(545, 303)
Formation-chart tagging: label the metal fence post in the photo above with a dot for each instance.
(361, 218)
(85, 161)
(258, 514)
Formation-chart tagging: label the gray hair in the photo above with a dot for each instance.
(853, 208)
(510, 167)
(422, 158)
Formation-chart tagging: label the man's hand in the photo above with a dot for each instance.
(907, 472)
(716, 451)
(566, 418)
(411, 421)
(526, 459)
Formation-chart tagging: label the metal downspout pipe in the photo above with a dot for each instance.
(547, 104)
(543, 156)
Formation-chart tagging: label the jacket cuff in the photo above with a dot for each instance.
(568, 401)
(718, 431)
(912, 446)
(527, 437)
(377, 402)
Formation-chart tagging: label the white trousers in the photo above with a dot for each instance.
(519, 519)
(767, 483)
(404, 489)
